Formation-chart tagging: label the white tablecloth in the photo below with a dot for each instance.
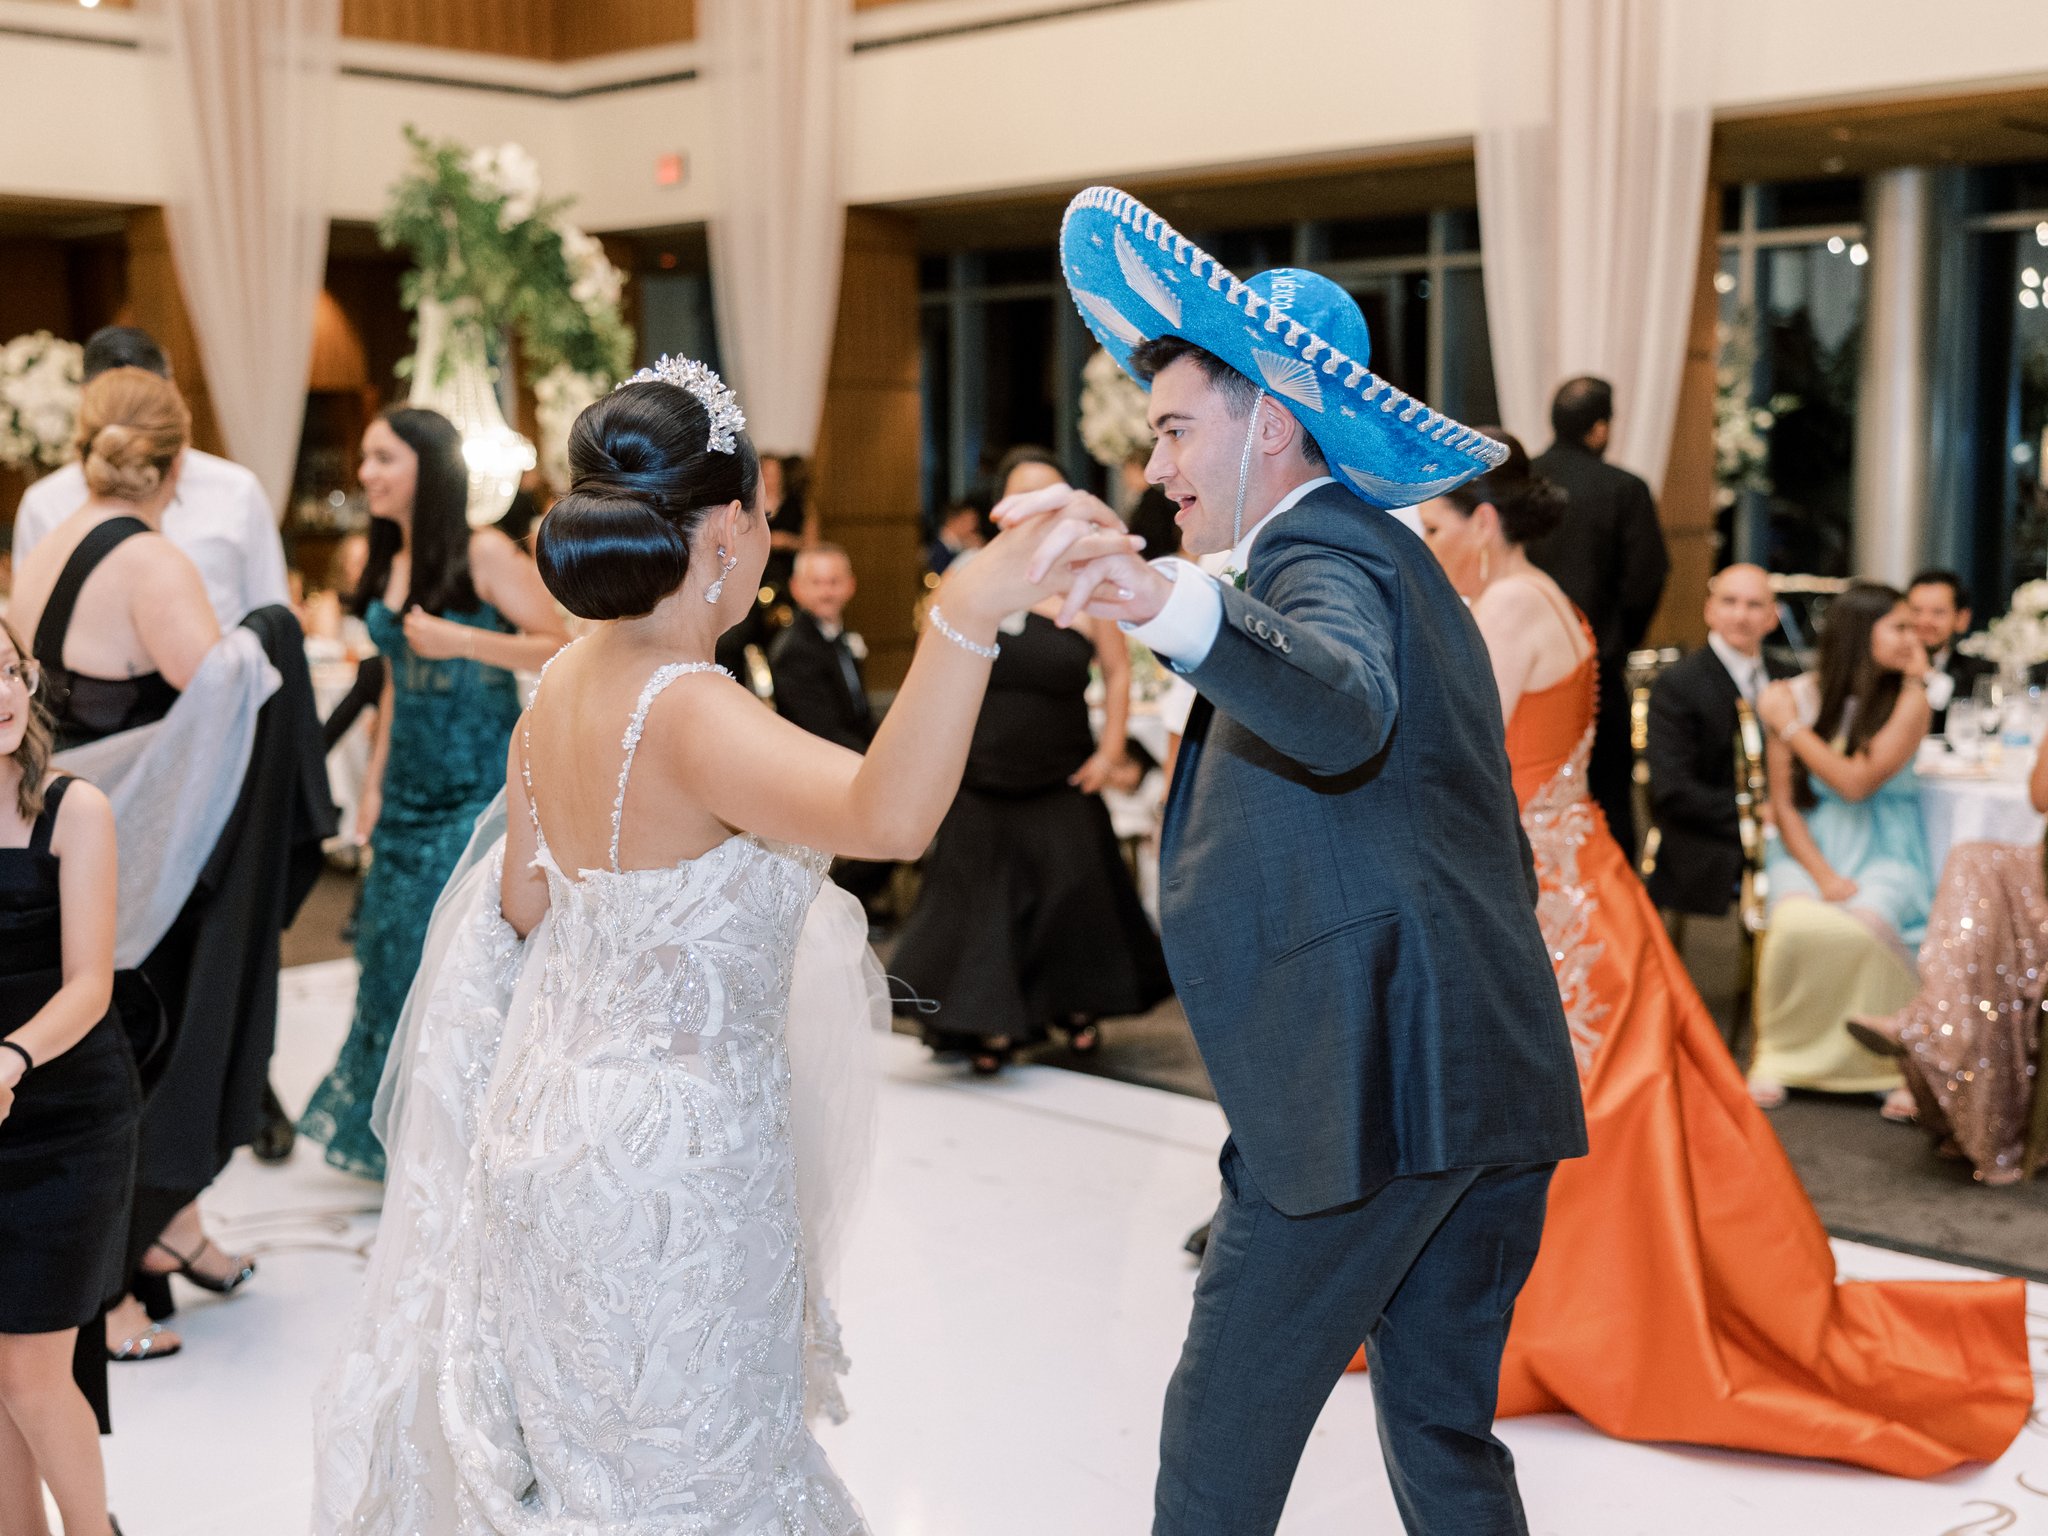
(1984, 806)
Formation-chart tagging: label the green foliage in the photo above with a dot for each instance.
(502, 260)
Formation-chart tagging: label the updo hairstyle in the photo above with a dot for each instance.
(131, 426)
(1529, 505)
(642, 481)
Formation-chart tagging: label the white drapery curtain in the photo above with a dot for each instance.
(247, 90)
(1595, 124)
(777, 236)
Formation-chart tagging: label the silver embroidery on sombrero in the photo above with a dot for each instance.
(1145, 225)
(1559, 820)
(1110, 316)
(1145, 282)
(1290, 376)
(1392, 491)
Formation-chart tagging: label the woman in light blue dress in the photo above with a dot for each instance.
(1850, 879)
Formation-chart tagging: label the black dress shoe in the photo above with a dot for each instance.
(1198, 1240)
(273, 1140)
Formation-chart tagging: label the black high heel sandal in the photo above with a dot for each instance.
(1084, 1037)
(204, 1281)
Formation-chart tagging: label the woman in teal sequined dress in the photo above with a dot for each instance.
(474, 612)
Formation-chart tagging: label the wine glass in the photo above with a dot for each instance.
(1989, 697)
(1959, 729)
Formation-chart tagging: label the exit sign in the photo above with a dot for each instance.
(669, 170)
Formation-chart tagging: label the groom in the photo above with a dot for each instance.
(1347, 896)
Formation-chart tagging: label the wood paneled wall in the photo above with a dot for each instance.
(529, 29)
(867, 461)
(523, 28)
(1686, 504)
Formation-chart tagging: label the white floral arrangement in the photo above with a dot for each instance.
(1114, 428)
(2018, 639)
(40, 379)
(559, 396)
(500, 257)
(1742, 429)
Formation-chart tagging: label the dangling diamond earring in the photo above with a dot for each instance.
(726, 563)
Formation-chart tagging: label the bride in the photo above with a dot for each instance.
(594, 1304)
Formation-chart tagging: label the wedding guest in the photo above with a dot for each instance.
(1850, 883)
(816, 661)
(1028, 916)
(960, 530)
(455, 612)
(1691, 748)
(220, 808)
(70, 1119)
(1941, 616)
(1608, 556)
(122, 622)
(794, 521)
(220, 516)
(221, 519)
(1683, 1242)
(1969, 1042)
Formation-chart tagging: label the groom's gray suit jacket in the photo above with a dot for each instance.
(1347, 895)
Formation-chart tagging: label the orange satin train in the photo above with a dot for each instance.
(1685, 1290)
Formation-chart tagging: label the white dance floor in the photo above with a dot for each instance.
(1014, 1304)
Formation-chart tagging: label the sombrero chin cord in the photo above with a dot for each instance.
(1244, 469)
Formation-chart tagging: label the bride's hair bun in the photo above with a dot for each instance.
(1528, 504)
(643, 479)
(131, 425)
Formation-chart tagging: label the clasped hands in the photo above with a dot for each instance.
(1084, 549)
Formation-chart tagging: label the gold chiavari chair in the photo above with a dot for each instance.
(1752, 801)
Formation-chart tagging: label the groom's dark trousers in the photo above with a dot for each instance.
(1348, 907)
(1425, 1272)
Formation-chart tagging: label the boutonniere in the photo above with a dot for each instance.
(856, 646)
(1235, 577)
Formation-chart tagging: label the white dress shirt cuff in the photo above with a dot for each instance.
(1184, 630)
(1941, 688)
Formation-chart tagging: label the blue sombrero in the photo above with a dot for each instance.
(1297, 333)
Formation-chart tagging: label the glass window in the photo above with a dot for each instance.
(1731, 209)
(932, 274)
(1363, 239)
(1808, 329)
(2012, 188)
(1019, 394)
(935, 387)
(1396, 311)
(2011, 475)
(1461, 229)
(1468, 352)
(1000, 269)
(1798, 204)
(1246, 251)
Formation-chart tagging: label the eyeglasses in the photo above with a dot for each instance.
(26, 675)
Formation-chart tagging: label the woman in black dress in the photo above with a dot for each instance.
(70, 1117)
(1028, 916)
(143, 626)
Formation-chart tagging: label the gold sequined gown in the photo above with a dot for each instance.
(1685, 1289)
(1972, 1033)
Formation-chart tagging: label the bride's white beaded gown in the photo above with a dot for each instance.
(590, 1309)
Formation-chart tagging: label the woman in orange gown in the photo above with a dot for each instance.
(1685, 1290)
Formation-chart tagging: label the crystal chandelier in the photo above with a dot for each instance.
(452, 374)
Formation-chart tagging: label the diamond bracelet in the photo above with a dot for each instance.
(985, 652)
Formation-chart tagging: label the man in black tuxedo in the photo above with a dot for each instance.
(1608, 555)
(1941, 615)
(815, 661)
(1691, 750)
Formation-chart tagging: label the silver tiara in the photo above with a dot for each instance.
(718, 401)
